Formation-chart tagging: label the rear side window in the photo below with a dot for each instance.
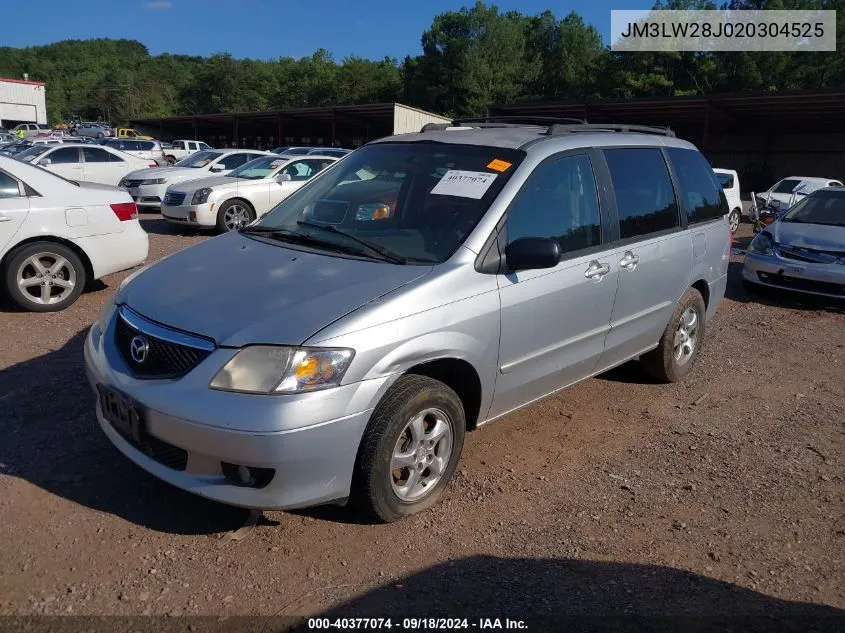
(645, 200)
(146, 146)
(95, 155)
(178, 145)
(701, 196)
(235, 160)
(64, 155)
(726, 180)
(558, 201)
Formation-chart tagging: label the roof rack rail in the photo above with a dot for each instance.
(521, 120)
(556, 129)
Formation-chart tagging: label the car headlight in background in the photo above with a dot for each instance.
(201, 195)
(762, 244)
(154, 181)
(373, 211)
(276, 369)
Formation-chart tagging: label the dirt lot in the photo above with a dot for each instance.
(719, 495)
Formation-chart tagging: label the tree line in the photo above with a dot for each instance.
(470, 58)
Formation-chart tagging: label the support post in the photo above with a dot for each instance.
(235, 132)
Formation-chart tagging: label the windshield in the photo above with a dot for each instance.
(415, 201)
(823, 207)
(726, 180)
(33, 152)
(258, 168)
(198, 160)
(786, 186)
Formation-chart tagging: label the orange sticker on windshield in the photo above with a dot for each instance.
(498, 165)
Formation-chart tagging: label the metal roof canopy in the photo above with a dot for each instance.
(702, 115)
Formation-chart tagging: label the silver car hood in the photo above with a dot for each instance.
(240, 290)
(172, 174)
(816, 236)
(210, 181)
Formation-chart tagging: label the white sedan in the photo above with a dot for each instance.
(57, 235)
(231, 202)
(91, 163)
(147, 186)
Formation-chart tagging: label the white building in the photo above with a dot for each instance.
(22, 101)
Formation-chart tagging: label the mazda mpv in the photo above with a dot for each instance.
(339, 348)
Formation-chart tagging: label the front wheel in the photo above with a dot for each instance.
(681, 341)
(170, 160)
(734, 219)
(44, 277)
(234, 215)
(410, 449)
(100, 135)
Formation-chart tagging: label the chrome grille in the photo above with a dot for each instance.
(169, 353)
(811, 255)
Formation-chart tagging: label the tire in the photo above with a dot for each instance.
(100, 135)
(234, 214)
(664, 362)
(58, 287)
(735, 219)
(170, 160)
(383, 492)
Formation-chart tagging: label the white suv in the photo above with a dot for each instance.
(729, 180)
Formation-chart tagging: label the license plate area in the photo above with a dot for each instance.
(795, 270)
(121, 413)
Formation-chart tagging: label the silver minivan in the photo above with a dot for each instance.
(339, 348)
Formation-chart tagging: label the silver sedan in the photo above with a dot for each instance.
(804, 250)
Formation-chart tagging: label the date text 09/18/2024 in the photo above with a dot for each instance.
(414, 624)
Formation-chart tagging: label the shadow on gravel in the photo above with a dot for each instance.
(763, 295)
(51, 439)
(576, 595)
(157, 225)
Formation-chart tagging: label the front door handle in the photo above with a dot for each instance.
(629, 261)
(596, 270)
(5, 218)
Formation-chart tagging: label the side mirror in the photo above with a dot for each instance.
(532, 253)
(216, 168)
(283, 178)
(45, 161)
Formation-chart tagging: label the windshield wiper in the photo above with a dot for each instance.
(375, 248)
(304, 238)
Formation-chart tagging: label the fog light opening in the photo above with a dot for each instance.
(247, 476)
(192, 216)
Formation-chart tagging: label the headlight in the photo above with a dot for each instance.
(106, 313)
(154, 181)
(201, 195)
(762, 244)
(275, 369)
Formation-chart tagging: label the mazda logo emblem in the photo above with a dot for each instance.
(139, 347)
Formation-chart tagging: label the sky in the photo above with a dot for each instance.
(263, 29)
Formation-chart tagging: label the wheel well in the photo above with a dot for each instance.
(89, 269)
(703, 287)
(462, 378)
(236, 199)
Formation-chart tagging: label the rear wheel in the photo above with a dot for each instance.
(170, 160)
(410, 449)
(734, 219)
(234, 215)
(44, 277)
(681, 341)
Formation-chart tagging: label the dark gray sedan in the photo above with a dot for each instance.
(804, 250)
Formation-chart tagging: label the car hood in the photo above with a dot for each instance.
(241, 290)
(172, 174)
(215, 182)
(815, 236)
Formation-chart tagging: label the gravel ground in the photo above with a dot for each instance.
(719, 495)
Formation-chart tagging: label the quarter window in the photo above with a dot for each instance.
(558, 201)
(702, 197)
(645, 200)
(8, 186)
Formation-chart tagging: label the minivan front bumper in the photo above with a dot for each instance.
(310, 449)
